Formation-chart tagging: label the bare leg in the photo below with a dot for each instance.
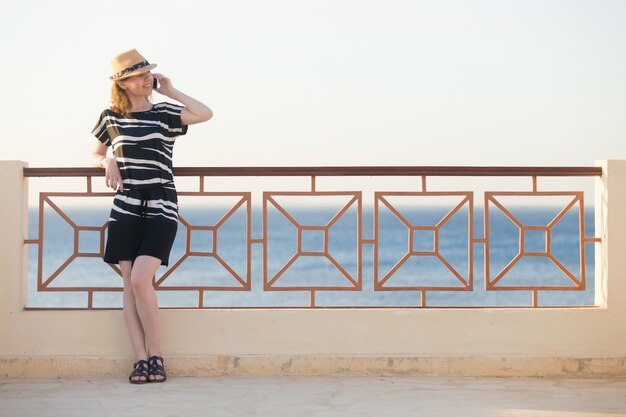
(133, 322)
(142, 272)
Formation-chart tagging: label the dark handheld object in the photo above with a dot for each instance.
(155, 84)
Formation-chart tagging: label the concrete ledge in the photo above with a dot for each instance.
(207, 366)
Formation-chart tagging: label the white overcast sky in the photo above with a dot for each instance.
(339, 82)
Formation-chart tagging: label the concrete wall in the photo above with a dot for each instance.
(588, 341)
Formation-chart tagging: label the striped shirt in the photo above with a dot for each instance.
(143, 146)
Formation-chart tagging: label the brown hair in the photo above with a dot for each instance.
(119, 101)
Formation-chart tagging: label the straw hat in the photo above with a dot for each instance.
(129, 63)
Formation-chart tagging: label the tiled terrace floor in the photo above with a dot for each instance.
(316, 396)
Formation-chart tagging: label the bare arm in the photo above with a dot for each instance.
(194, 111)
(113, 178)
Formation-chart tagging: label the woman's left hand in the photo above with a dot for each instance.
(165, 85)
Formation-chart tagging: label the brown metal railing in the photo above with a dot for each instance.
(354, 282)
(430, 171)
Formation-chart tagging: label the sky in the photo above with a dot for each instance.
(339, 82)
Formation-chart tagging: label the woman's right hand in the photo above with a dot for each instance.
(112, 176)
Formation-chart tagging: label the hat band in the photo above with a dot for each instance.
(131, 69)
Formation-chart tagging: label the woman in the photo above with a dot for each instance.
(143, 221)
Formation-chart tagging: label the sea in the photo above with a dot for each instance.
(403, 259)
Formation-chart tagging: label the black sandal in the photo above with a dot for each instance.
(156, 369)
(141, 370)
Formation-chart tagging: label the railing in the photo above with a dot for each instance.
(315, 242)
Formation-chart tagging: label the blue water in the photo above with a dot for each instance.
(393, 235)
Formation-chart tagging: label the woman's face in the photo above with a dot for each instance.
(139, 85)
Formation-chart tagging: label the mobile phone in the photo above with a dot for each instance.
(155, 84)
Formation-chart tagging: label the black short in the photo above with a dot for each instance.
(126, 240)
